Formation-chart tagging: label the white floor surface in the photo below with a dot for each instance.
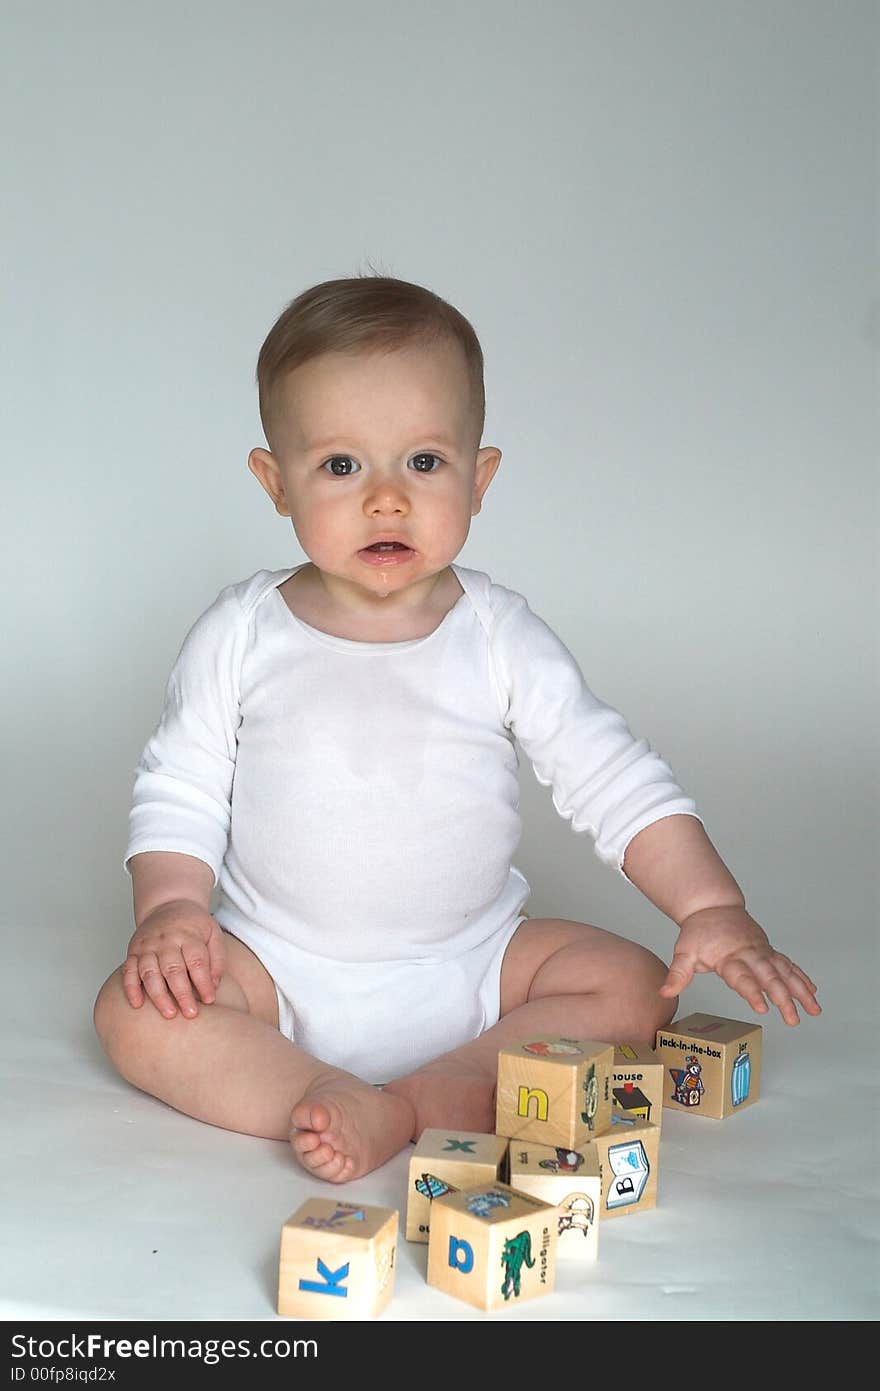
(118, 1208)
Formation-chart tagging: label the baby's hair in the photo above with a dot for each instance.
(372, 313)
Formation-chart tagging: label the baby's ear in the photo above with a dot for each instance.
(263, 466)
(486, 468)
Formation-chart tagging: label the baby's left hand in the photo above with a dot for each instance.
(729, 942)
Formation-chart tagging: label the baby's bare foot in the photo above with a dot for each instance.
(448, 1094)
(343, 1128)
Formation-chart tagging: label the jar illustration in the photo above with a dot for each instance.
(740, 1077)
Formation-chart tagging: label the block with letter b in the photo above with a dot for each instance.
(492, 1246)
(711, 1066)
(628, 1157)
(554, 1091)
(444, 1161)
(337, 1260)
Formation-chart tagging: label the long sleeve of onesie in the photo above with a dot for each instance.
(183, 782)
(604, 780)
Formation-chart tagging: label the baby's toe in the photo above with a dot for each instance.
(337, 1169)
(310, 1115)
(318, 1158)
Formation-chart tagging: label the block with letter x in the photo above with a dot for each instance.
(444, 1161)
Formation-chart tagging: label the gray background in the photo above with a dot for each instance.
(661, 220)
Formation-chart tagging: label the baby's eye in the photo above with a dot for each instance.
(419, 465)
(341, 466)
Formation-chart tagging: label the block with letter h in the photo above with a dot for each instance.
(444, 1161)
(492, 1246)
(554, 1091)
(337, 1260)
(637, 1082)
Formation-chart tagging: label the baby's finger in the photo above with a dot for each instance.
(804, 989)
(154, 984)
(197, 964)
(779, 994)
(216, 957)
(802, 975)
(741, 978)
(801, 987)
(177, 979)
(131, 982)
(679, 975)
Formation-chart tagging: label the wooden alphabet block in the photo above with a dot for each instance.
(711, 1066)
(337, 1260)
(554, 1091)
(637, 1081)
(628, 1156)
(445, 1161)
(570, 1180)
(492, 1246)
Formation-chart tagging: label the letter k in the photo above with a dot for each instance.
(332, 1281)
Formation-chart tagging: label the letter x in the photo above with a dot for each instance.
(460, 1145)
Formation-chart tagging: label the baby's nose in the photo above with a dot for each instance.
(386, 497)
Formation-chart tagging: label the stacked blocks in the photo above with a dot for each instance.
(492, 1246)
(337, 1260)
(712, 1066)
(570, 1180)
(637, 1082)
(577, 1143)
(554, 1091)
(443, 1162)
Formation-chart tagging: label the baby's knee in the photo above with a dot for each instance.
(655, 1010)
(117, 1024)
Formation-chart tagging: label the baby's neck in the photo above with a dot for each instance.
(309, 601)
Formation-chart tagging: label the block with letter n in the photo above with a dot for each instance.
(492, 1246)
(337, 1260)
(554, 1090)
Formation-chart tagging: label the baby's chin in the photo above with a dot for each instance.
(381, 579)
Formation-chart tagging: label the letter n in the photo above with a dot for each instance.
(461, 1255)
(542, 1103)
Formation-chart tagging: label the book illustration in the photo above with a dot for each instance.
(629, 1164)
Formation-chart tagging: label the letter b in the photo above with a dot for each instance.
(461, 1255)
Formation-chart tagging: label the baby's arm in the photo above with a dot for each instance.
(675, 865)
(176, 946)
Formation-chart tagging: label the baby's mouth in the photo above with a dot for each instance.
(386, 553)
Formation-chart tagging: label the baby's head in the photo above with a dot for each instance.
(372, 401)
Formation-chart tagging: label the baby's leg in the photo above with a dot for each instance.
(231, 1067)
(558, 977)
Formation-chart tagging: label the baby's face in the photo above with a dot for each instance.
(378, 448)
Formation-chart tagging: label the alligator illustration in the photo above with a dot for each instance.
(517, 1251)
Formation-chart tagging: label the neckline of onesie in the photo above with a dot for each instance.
(340, 644)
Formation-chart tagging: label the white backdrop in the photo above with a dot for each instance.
(661, 220)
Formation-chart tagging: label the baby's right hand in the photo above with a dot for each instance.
(177, 947)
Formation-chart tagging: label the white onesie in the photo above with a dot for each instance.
(358, 805)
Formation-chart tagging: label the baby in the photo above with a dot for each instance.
(337, 757)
